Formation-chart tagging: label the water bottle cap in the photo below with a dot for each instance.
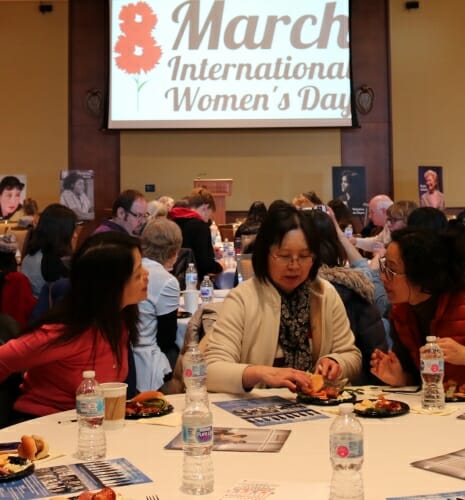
(88, 374)
(431, 338)
(345, 408)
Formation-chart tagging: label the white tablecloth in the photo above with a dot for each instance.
(390, 445)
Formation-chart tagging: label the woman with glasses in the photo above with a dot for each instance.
(424, 276)
(285, 320)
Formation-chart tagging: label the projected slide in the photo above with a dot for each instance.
(229, 63)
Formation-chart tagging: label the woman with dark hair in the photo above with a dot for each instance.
(255, 216)
(50, 246)
(424, 276)
(74, 196)
(10, 197)
(427, 218)
(356, 291)
(285, 321)
(90, 329)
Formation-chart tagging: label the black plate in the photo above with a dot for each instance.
(311, 400)
(383, 412)
(18, 475)
(164, 410)
(183, 314)
(455, 399)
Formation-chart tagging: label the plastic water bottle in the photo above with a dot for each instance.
(197, 436)
(432, 374)
(349, 231)
(214, 232)
(206, 290)
(191, 277)
(346, 452)
(240, 278)
(90, 409)
(194, 367)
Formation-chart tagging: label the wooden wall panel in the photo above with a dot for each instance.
(371, 144)
(90, 145)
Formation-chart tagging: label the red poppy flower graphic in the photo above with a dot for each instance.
(138, 50)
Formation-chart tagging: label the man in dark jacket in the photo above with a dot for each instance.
(192, 218)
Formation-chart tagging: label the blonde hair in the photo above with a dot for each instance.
(401, 209)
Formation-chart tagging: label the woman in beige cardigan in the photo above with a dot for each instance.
(285, 321)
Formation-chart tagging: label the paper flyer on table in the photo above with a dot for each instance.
(269, 410)
(452, 495)
(450, 464)
(262, 490)
(73, 478)
(241, 439)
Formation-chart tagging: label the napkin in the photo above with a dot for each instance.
(170, 420)
(447, 410)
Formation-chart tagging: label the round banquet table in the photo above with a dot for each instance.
(390, 445)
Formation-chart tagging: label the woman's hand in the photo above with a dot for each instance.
(387, 367)
(275, 377)
(453, 351)
(329, 368)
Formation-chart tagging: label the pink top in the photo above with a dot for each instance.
(53, 372)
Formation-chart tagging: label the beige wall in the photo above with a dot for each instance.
(265, 165)
(34, 95)
(428, 100)
(428, 107)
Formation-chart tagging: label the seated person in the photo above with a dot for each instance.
(423, 273)
(251, 225)
(128, 214)
(89, 330)
(192, 218)
(156, 352)
(427, 218)
(284, 321)
(356, 291)
(50, 246)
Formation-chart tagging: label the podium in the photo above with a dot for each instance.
(219, 188)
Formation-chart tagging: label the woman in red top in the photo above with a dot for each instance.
(424, 276)
(90, 329)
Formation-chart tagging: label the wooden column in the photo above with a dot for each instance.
(91, 146)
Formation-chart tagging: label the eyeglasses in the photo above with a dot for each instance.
(395, 219)
(137, 216)
(390, 274)
(287, 260)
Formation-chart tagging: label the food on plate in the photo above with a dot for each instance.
(14, 466)
(453, 390)
(148, 403)
(380, 403)
(143, 396)
(321, 389)
(33, 447)
(105, 494)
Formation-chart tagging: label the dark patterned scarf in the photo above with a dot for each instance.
(294, 328)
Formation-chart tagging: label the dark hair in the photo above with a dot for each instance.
(313, 197)
(100, 269)
(342, 212)
(125, 200)
(281, 218)
(332, 252)
(432, 260)
(257, 211)
(53, 236)
(10, 182)
(201, 196)
(427, 218)
(70, 180)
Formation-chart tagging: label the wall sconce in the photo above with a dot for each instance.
(94, 102)
(364, 99)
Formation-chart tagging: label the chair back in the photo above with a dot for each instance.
(244, 264)
(185, 257)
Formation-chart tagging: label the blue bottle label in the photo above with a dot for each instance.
(90, 407)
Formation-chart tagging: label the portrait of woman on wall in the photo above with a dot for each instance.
(77, 191)
(12, 194)
(349, 187)
(430, 184)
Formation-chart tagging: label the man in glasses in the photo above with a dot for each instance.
(129, 214)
